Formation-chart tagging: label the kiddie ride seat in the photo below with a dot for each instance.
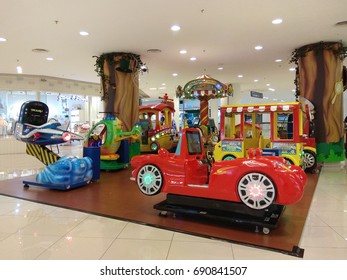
(34, 128)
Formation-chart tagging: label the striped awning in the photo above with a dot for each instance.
(261, 108)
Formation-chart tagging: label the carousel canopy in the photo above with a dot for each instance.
(204, 87)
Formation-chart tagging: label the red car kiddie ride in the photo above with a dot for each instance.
(257, 182)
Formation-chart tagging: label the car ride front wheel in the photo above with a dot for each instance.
(149, 179)
(256, 190)
(310, 160)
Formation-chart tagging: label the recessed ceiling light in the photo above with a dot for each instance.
(175, 74)
(256, 80)
(38, 50)
(271, 89)
(341, 23)
(49, 58)
(292, 69)
(258, 48)
(193, 58)
(175, 27)
(267, 85)
(84, 33)
(154, 50)
(163, 84)
(3, 39)
(183, 51)
(19, 70)
(240, 76)
(277, 21)
(220, 68)
(278, 60)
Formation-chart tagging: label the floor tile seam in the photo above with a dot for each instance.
(170, 245)
(62, 238)
(114, 240)
(34, 258)
(323, 186)
(341, 238)
(322, 247)
(90, 237)
(7, 235)
(326, 220)
(317, 217)
(315, 226)
(324, 192)
(232, 251)
(64, 234)
(53, 243)
(209, 242)
(77, 224)
(344, 238)
(143, 239)
(107, 249)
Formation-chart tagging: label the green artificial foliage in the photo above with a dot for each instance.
(331, 152)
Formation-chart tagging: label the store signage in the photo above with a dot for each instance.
(256, 94)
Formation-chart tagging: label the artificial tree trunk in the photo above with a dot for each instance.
(120, 87)
(319, 79)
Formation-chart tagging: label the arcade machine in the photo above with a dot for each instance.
(115, 150)
(39, 134)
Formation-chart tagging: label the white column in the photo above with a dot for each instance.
(236, 98)
(213, 109)
(177, 111)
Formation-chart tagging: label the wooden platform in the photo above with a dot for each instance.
(114, 195)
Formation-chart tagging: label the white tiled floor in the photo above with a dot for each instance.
(32, 231)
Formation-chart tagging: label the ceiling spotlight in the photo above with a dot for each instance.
(19, 70)
(84, 33)
(278, 60)
(183, 51)
(292, 69)
(220, 68)
(3, 39)
(175, 27)
(277, 21)
(193, 58)
(49, 58)
(240, 76)
(175, 74)
(258, 48)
